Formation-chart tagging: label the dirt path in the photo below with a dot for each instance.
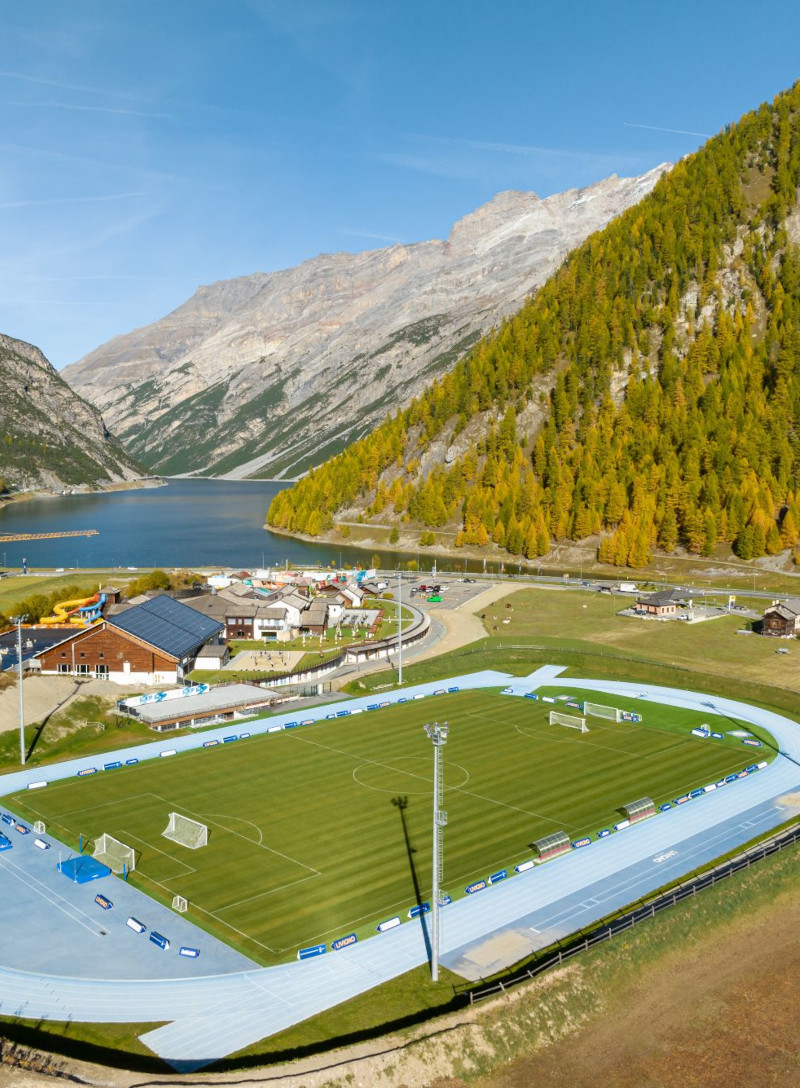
(463, 624)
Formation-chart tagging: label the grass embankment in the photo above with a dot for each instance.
(86, 726)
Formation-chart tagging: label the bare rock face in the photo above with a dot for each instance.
(271, 373)
(51, 437)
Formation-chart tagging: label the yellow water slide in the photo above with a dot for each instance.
(63, 612)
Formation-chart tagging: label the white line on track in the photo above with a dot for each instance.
(39, 888)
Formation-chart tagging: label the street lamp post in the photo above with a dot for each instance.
(399, 630)
(438, 734)
(19, 620)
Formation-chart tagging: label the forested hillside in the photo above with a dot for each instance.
(650, 391)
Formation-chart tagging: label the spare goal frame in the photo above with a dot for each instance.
(570, 720)
(118, 856)
(186, 832)
(600, 710)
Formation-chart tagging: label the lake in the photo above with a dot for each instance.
(186, 523)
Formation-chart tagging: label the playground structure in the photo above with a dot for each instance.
(80, 613)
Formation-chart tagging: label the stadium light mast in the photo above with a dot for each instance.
(19, 620)
(399, 629)
(438, 734)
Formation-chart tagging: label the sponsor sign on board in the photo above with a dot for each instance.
(478, 886)
(343, 942)
(312, 950)
(581, 842)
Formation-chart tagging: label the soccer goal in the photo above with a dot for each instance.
(118, 856)
(186, 832)
(599, 710)
(557, 718)
(179, 904)
(40, 827)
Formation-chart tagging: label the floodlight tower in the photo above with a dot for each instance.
(19, 620)
(438, 734)
(399, 629)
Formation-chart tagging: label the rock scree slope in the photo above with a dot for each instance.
(269, 373)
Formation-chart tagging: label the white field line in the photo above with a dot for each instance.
(423, 778)
(146, 842)
(244, 838)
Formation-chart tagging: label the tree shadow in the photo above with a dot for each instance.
(401, 804)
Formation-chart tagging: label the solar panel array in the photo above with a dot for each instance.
(169, 625)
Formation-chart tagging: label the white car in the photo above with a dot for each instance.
(133, 568)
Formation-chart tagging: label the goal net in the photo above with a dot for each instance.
(118, 856)
(39, 827)
(186, 832)
(179, 904)
(599, 710)
(557, 718)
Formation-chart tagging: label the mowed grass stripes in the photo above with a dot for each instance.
(319, 831)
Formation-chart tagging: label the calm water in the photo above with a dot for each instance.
(187, 523)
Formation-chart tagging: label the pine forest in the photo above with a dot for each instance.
(648, 395)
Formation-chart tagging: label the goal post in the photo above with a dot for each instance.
(570, 720)
(118, 856)
(179, 904)
(186, 832)
(600, 710)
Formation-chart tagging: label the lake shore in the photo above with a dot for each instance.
(119, 485)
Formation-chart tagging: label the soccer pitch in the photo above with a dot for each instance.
(324, 830)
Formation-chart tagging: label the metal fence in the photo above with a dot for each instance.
(606, 931)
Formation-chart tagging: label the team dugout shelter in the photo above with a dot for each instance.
(190, 708)
(156, 642)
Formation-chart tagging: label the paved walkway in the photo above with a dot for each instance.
(217, 1015)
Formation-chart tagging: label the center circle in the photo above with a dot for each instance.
(412, 775)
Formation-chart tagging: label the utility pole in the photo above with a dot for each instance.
(19, 620)
(399, 630)
(438, 734)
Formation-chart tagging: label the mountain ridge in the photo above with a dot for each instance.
(51, 437)
(265, 373)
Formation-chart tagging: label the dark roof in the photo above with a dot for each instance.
(168, 625)
(660, 598)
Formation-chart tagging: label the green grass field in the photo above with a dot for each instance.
(307, 840)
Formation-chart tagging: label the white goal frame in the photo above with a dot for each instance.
(118, 856)
(600, 710)
(572, 722)
(179, 904)
(186, 832)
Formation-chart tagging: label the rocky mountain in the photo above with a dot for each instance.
(267, 374)
(51, 438)
(647, 398)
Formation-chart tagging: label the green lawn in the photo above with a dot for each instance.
(308, 843)
(577, 619)
(19, 588)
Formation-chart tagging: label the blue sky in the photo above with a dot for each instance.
(149, 147)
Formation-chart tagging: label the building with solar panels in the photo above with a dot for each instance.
(155, 642)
